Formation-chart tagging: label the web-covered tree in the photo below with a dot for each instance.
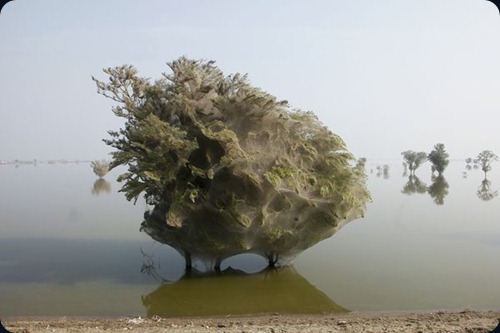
(228, 168)
(100, 168)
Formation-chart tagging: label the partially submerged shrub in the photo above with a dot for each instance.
(101, 168)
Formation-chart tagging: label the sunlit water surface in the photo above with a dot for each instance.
(70, 245)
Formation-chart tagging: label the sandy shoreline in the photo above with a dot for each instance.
(466, 321)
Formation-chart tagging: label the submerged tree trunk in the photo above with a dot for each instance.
(218, 262)
(272, 259)
(187, 258)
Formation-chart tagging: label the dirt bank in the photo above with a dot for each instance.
(467, 321)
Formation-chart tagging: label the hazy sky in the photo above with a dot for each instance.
(386, 75)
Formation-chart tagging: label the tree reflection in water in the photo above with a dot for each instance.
(414, 185)
(101, 185)
(383, 171)
(484, 191)
(439, 189)
(234, 292)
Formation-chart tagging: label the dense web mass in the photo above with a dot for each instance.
(227, 168)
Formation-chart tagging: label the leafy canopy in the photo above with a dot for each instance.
(414, 159)
(439, 158)
(485, 158)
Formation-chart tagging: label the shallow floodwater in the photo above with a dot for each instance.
(70, 245)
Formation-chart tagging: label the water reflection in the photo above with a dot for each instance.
(234, 292)
(484, 191)
(91, 266)
(414, 185)
(439, 189)
(405, 170)
(383, 171)
(101, 185)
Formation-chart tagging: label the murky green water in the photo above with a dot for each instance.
(237, 293)
(70, 245)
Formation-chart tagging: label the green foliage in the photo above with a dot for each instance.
(439, 158)
(210, 149)
(414, 159)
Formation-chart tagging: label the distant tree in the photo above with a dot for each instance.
(484, 160)
(439, 158)
(101, 168)
(414, 159)
(385, 171)
(475, 164)
(361, 162)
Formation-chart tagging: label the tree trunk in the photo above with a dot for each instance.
(272, 259)
(218, 262)
(187, 258)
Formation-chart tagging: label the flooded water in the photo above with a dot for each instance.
(70, 245)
